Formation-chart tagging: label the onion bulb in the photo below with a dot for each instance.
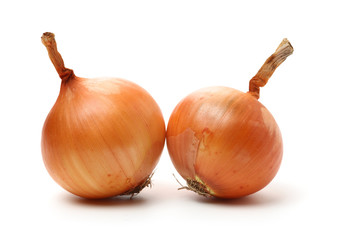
(224, 142)
(103, 137)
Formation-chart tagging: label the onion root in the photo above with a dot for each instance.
(196, 186)
(135, 191)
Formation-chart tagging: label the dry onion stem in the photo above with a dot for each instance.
(284, 50)
(48, 39)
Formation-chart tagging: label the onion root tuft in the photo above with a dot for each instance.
(135, 191)
(196, 186)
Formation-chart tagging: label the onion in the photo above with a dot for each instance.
(224, 142)
(103, 137)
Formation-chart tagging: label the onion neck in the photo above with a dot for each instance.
(284, 50)
(48, 39)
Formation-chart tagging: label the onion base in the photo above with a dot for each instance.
(196, 185)
(136, 190)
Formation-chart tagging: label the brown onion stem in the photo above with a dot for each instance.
(48, 39)
(284, 50)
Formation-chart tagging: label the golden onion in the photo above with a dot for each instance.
(224, 142)
(103, 137)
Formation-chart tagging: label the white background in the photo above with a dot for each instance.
(172, 48)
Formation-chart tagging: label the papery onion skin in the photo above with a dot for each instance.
(103, 137)
(226, 139)
(224, 142)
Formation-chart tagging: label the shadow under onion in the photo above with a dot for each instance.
(274, 195)
(119, 201)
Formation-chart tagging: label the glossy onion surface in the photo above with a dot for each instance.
(103, 137)
(226, 140)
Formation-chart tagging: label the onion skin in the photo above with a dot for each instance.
(103, 137)
(226, 139)
(224, 142)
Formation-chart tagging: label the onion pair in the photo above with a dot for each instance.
(104, 136)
